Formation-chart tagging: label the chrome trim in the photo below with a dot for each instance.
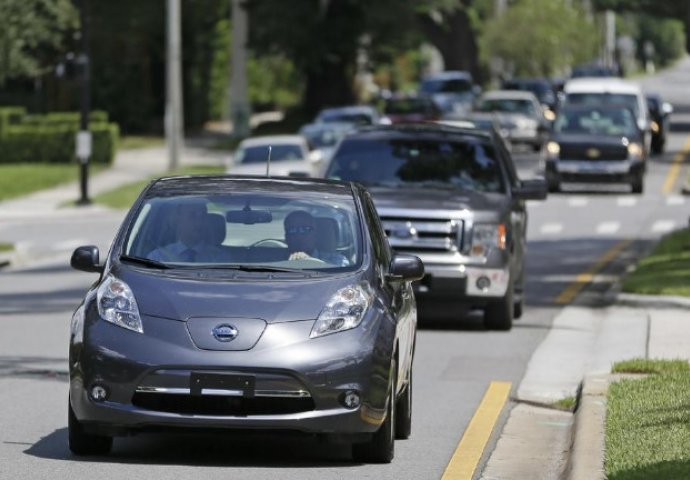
(257, 393)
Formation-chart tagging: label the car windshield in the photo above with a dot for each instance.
(259, 153)
(458, 85)
(254, 230)
(608, 122)
(507, 105)
(596, 99)
(456, 164)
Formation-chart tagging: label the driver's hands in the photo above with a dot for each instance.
(300, 256)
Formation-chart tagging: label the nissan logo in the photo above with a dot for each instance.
(225, 332)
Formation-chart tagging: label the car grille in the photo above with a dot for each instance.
(584, 152)
(221, 405)
(424, 234)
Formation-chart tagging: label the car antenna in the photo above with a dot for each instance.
(268, 163)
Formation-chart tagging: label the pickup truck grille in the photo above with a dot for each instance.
(424, 234)
(605, 153)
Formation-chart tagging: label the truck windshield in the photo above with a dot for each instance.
(459, 164)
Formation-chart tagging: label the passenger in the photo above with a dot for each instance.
(300, 236)
(193, 242)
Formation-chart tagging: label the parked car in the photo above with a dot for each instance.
(660, 115)
(596, 144)
(486, 121)
(323, 137)
(452, 196)
(411, 109)
(452, 90)
(520, 113)
(294, 314)
(354, 114)
(289, 155)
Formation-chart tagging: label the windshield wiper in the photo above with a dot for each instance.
(251, 268)
(145, 261)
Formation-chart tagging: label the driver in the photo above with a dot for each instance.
(300, 236)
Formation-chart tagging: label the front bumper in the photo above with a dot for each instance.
(298, 384)
(594, 171)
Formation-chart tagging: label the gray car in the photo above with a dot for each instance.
(246, 303)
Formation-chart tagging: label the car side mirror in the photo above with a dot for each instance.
(533, 189)
(86, 259)
(405, 268)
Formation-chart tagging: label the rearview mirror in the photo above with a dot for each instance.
(249, 217)
(86, 259)
(533, 189)
(666, 108)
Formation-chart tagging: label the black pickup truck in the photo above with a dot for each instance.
(451, 196)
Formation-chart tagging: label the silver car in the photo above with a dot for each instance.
(246, 303)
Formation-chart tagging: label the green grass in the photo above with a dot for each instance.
(17, 180)
(6, 247)
(123, 197)
(567, 404)
(133, 141)
(670, 261)
(648, 423)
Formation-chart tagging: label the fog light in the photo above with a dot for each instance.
(483, 283)
(351, 399)
(99, 393)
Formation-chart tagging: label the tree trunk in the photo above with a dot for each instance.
(455, 40)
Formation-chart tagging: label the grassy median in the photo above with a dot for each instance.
(648, 422)
(17, 180)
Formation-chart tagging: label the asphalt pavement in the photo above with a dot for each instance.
(574, 358)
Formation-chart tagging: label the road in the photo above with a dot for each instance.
(455, 363)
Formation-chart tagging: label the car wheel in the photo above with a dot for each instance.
(499, 315)
(657, 146)
(517, 309)
(82, 443)
(381, 448)
(403, 413)
(554, 187)
(637, 184)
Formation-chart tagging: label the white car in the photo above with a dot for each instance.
(289, 156)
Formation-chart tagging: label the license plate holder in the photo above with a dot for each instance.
(222, 384)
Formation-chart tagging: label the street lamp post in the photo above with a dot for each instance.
(83, 140)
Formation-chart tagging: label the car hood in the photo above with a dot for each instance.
(590, 140)
(435, 199)
(247, 295)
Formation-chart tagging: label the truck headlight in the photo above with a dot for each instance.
(487, 236)
(343, 311)
(553, 149)
(117, 305)
(634, 150)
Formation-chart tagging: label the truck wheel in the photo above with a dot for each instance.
(637, 184)
(82, 443)
(517, 309)
(499, 315)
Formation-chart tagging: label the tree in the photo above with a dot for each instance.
(540, 38)
(34, 36)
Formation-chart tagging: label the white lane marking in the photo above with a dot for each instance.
(663, 226)
(578, 202)
(551, 228)
(605, 228)
(675, 200)
(626, 201)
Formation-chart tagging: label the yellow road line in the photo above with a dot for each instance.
(586, 277)
(469, 451)
(676, 165)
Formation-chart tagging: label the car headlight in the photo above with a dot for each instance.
(485, 237)
(634, 150)
(343, 311)
(553, 149)
(117, 305)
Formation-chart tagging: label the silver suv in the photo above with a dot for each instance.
(452, 197)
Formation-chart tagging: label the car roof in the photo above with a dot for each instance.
(272, 140)
(450, 75)
(427, 131)
(508, 94)
(215, 184)
(601, 85)
(349, 109)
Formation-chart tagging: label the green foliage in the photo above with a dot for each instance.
(540, 38)
(51, 138)
(33, 36)
(23, 179)
(667, 36)
(669, 260)
(643, 365)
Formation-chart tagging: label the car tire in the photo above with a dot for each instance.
(637, 184)
(403, 413)
(657, 146)
(554, 187)
(82, 443)
(381, 448)
(498, 315)
(517, 309)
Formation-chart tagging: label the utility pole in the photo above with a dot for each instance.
(83, 138)
(174, 117)
(239, 100)
(610, 39)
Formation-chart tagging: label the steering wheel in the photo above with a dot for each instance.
(269, 242)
